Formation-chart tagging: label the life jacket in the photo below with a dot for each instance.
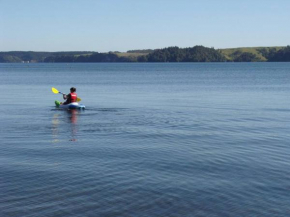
(73, 97)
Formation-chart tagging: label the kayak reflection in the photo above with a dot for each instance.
(55, 123)
(65, 124)
(73, 119)
(73, 116)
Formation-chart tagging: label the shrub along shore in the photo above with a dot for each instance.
(170, 54)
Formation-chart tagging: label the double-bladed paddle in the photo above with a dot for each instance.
(54, 90)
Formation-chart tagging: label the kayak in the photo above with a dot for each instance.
(73, 105)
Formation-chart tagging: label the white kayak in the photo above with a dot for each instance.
(73, 105)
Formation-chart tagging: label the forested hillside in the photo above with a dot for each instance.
(176, 54)
(283, 55)
(170, 54)
(19, 56)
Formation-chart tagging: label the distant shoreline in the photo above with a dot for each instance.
(170, 54)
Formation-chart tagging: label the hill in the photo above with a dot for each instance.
(259, 54)
(169, 54)
(31, 56)
(193, 54)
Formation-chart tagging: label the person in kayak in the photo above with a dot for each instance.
(71, 97)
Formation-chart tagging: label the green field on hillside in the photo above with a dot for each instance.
(229, 53)
(131, 54)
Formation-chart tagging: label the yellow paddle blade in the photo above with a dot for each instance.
(54, 90)
(79, 99)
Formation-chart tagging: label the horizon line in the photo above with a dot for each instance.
(143, 49)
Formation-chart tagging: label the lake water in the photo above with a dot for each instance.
(193, 139)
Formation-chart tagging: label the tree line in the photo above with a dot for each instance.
(169, 54)
(31, 56)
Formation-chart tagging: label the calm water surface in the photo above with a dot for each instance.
(155, 140)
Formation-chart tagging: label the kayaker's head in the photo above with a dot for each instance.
(73, 89)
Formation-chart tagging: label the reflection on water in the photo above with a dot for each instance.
(73, 116)
(73, 121)
(63, 124)
(55, 123)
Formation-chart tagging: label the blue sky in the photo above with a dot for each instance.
(121, 25)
